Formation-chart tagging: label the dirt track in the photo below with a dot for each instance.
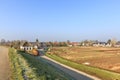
(4, 64)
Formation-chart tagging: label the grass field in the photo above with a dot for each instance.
(105, 58)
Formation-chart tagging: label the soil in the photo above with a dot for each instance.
(4, 64)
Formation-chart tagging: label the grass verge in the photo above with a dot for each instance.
(27, 67)
(15, 66)
(103, 74)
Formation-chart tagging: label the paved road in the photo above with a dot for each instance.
(4, 64)
(78, 75)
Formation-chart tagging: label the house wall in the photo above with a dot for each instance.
(26, 48)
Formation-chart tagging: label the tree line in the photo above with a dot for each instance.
(17, 43)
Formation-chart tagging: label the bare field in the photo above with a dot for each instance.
(105, 58)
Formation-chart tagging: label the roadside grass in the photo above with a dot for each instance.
(27, 67)
(46, 70)
(102, 74)
(15, 66)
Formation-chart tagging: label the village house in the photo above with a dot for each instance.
(85, 44)
(117, 44)
(73, 44)
(101, 44)
(33, 45)
(28, 46)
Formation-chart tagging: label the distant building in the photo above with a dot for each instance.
(75, 43)
(70, 45)
(32, 45)
(108, 45)
(26, 48)
(117, 44)
(101, 44)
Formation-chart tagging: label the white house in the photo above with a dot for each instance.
(117, 44)
(101, 44)
(26, 48)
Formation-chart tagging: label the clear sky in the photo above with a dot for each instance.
(59, 20)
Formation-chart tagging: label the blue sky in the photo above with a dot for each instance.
(59, 20)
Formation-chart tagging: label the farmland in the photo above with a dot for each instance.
(107, 59)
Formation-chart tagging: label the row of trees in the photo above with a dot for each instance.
(17, 43)
(56, 44)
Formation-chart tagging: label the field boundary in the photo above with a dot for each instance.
(78, 75)
(102, 74)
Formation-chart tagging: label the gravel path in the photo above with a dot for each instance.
(78, 75)
(4, 64)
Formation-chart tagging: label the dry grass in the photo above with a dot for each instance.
(106, 58)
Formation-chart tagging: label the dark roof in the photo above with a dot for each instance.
(100, 43)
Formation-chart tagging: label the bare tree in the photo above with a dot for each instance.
(3, 41)
(38, 43)
(112, 42)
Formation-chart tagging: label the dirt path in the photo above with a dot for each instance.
(78, 75)
(4, 63)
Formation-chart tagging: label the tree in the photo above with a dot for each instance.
(37, 40)
(68, 42)
(86, 43)
(65, 44)
(112, 42)
(8, 43)
(3, 41)
(26, 44)
(60, 44)
(47, 44)
(109, 41)
(56, 44)
(51, 44)
(16, 44)
(38, 43)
